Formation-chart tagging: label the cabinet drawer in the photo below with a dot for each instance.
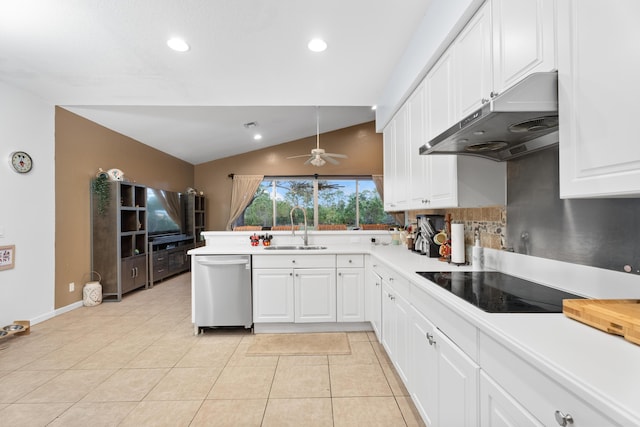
(294, 261)
(159, 257)
(463, 333)
(354, 260)
(541, 395)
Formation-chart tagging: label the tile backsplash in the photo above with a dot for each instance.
(490, 221)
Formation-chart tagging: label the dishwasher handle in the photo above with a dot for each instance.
(238, 261)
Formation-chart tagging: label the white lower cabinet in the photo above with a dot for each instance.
(350, 294)
(444, 380)
(373, 297)
(273, 295)
(546, 400)
(315, 295)
(308, 288)
(395, 325)
(499, 409)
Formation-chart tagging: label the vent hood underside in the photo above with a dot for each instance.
(521, 120)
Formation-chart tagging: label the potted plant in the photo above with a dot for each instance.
(101, 188)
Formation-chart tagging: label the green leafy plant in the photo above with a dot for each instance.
(101, 188)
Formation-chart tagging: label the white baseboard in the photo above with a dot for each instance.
(56, 312)
(283, 328)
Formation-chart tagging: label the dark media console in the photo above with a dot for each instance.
(168, 256)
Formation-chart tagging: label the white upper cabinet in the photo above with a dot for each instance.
(505, 41)
(389, 169)
(598, 69)
(440, 101)
(524, 39)
(419, 165)
(396, 162)
(473, 63)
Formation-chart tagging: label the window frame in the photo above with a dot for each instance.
(315, 194)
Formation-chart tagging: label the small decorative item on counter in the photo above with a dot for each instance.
(266, 240)
(255, 240)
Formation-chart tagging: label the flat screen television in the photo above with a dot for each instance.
(164, 214)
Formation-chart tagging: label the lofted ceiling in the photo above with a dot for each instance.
(248, 61)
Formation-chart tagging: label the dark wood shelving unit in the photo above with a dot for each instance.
(119, 240)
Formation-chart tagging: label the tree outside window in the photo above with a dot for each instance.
(349, 201)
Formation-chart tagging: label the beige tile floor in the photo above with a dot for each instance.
(138, 363)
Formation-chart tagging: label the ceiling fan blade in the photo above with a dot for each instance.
(341, 156)
(308, 160)
(330, 160)
(297, 157)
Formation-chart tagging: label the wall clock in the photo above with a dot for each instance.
(21, 161)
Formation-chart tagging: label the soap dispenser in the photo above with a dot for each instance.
(477, 253)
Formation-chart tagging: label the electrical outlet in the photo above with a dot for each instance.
(72, 286)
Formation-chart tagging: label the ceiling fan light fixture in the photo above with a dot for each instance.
(317, 45)
(318, 161)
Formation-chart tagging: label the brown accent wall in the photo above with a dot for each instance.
(81, 148)
(361, 143)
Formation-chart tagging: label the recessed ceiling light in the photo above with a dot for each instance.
(178, 44)
(374, 107)
(317, 45)
(257, 137)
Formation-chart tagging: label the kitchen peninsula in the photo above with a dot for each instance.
(522, 368)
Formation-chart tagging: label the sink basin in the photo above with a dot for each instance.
(293, 248)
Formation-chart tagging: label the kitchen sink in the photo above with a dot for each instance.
(293, 248)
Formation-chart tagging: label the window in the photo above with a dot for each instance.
(344, 201)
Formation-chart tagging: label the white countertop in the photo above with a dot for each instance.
(579, 357)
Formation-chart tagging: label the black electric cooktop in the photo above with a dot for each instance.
(496, 292)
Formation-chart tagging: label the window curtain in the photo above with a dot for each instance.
(378, 180)
(244, 188)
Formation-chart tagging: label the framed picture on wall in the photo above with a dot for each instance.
(7, 257)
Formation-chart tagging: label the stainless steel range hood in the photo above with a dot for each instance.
(521, 120)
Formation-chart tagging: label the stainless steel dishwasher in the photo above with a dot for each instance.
(222, 291)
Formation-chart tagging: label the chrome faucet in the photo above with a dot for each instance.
(293, 230)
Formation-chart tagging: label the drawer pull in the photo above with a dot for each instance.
(563, 420)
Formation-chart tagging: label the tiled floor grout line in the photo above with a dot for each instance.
(156, 312)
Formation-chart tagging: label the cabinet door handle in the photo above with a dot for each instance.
(339, 274)
(484, 100)
(290, 274)
(293, 261)
(494, 94)
(430, 338)
(563, 419)
(392, 297)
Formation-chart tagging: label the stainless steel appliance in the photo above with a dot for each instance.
(427, 227)
(521, 120)
(497, 292)
(222, 291)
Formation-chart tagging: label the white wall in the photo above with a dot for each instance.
(27, 207)
(442, 21)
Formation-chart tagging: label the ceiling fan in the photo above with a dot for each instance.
(318, 156)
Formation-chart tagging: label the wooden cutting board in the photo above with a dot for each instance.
(615, 316)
